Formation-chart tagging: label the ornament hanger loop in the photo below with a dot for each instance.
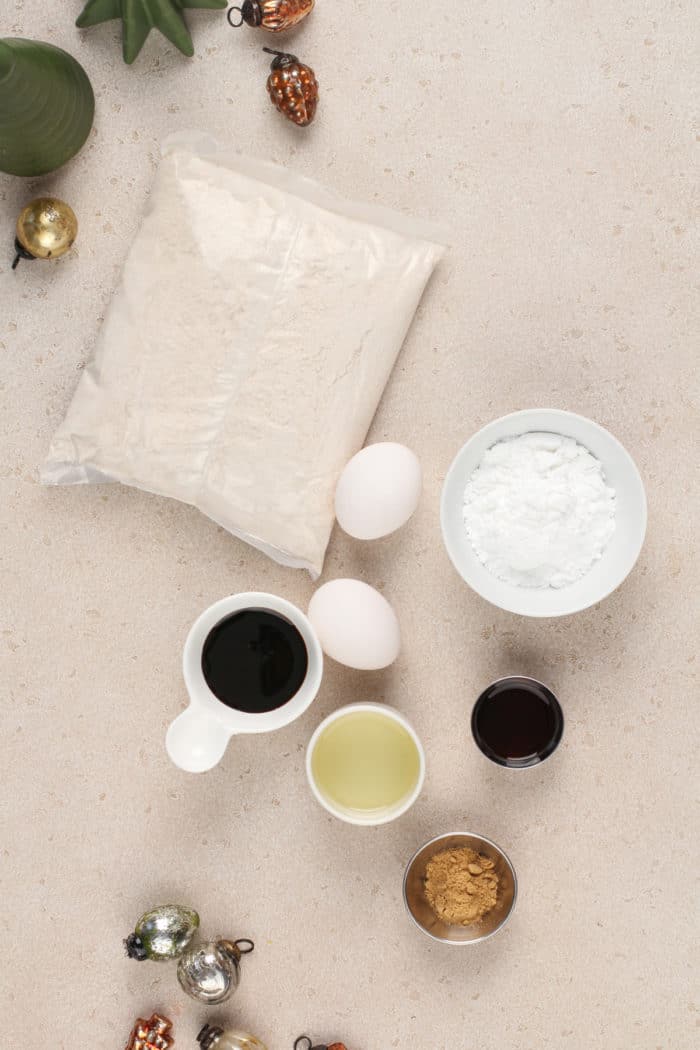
(303, 1043)
(280, 54)
(245, 941)
(231, 11)
(21, 253)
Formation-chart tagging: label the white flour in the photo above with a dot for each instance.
(538, 511)
(243, 355)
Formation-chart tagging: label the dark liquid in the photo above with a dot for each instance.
(254, 661)
(517, 722)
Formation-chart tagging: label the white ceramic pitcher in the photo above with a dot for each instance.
(197, 739)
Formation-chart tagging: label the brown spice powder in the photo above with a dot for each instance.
(461, 885)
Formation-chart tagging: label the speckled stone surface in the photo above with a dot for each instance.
(557, 141)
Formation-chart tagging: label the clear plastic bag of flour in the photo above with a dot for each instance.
(245, 351)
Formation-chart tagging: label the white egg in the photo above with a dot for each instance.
(355, 624)
(378, 491)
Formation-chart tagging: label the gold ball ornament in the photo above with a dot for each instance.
(46, 229)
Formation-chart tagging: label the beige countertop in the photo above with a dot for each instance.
(557, 142)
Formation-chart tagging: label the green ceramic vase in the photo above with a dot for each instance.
(46, 107)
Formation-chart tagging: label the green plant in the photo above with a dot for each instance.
(139, 17)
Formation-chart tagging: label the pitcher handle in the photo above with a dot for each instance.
(196, 742)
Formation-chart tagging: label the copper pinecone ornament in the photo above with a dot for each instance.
(151, 1034)
(273, 15)
(293, 88)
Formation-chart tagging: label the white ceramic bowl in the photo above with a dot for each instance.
(371, 818)
(197, 739)
(617, 560)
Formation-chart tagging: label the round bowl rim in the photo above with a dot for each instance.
(561, 415)
(353, 818)
(556, 740)
(495, 846)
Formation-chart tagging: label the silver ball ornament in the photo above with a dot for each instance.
(210, 972)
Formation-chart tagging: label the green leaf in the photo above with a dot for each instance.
(172, 25)
(96, 11)
(136, 25)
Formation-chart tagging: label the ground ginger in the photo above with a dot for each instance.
(461, 885)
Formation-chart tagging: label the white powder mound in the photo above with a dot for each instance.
(538, 511)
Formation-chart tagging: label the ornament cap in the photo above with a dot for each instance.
(235, 949)
(209, 1036)
(249, 13)
(135, 948)
(21, 253)
(283, 59)
(304, 1043)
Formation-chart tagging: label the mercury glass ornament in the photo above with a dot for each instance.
(293, 88)
(212, 1037)
(163, 933)
(304, 1043)
(210, 972)
(151, 1034)
(273, 15)
(46, 229)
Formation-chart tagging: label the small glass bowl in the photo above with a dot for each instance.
(423, 915)
(546, 697)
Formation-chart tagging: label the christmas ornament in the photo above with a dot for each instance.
(273, 15)
(210, 972)
(304, 1043)
(214, 1038)
(46, 229)
(162, 933)
(46, 107)
(153, 1034)
(139, 17)
(293, 88)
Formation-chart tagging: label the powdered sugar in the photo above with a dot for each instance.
(538, 510)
